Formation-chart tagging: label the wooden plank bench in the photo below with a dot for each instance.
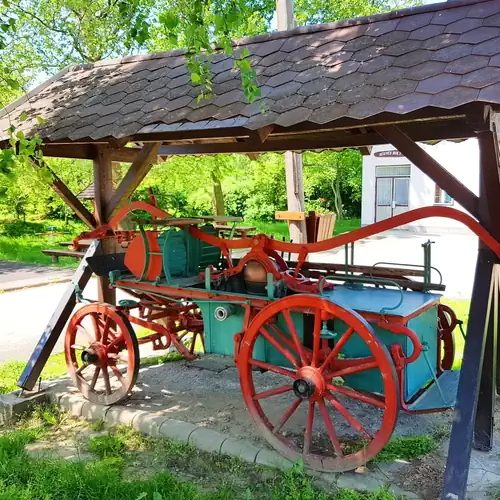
(55, 254)
(239, 231)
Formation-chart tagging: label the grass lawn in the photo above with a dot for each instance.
(279, 229)
(121, 464)
(29, 248)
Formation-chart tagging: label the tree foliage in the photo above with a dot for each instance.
(39, 37)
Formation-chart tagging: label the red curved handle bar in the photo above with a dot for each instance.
(358, 234)
(136, 205)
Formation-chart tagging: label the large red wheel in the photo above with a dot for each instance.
(345, 427)
(447, 321)
(102, 353)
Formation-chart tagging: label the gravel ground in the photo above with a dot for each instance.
(207, 392)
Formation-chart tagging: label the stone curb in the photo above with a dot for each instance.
(209, 440)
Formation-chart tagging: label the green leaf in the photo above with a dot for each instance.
(157, 496)
(169, 20)
(5, 27)
(20, 135)
(142, 495)
(172, 39)
(13, 84)
(195, 78)
(40, 120)
(245, 52)
(23, 116)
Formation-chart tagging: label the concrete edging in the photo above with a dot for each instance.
(209, 440)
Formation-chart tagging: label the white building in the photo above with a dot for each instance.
(392, 184)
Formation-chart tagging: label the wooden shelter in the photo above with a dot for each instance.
(426, 73)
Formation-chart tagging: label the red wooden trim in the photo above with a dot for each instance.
(358, 234)
(431, 167)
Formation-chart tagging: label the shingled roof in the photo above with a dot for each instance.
(440, 56)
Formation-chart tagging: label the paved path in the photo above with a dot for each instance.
(454, 255)
(24, 315)
(16, 275)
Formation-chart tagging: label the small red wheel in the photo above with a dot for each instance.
(345, 427)
(102, 353)
(191, 341)
(447, 321)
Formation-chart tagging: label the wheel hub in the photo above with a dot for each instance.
(92, 355)
(309, 382)
(303, 389)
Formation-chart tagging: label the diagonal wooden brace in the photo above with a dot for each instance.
(444, 179)
(64, 192)
(136, 173)
(55, 326)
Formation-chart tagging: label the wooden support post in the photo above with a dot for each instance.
(134, 176)
(457, 466)
(295, 195)
(56, 324)
(103, 182)
(64, 192)
(444, 179)
(293, 161)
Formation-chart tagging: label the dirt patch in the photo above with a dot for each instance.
(212, 398)
(423, 477)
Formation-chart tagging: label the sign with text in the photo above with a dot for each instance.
(391, 153)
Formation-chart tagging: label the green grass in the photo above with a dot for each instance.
(461, 308)
(407, 448)
(11, 371)
(279, 229)
(130, 466)
(28, 249)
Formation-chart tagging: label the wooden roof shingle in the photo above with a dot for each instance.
(437, 56)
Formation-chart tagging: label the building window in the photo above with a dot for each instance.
(442, 197)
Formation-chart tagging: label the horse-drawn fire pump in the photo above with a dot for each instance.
(342, 348)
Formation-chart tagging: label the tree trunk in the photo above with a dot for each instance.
(217, 195)
(337, 198)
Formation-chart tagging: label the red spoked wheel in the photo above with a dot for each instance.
(447, 321)
(102, 353)
(344, 427)
(191, 340)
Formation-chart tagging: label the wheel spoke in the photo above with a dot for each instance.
(286, 340)
(316, 338)
(295, 336)
(105, 330)
(338, 347)
(81, 329)
(356, 424)
(358, 396)
(287, 354)
(271, 368)
(355, 367)
(286, 416)
(309, 426)
(329, 427)
(81, 369)
(105, 376)
(273, 392)
(117, 373)
(95, 377)
(97, 329)
(114, 342)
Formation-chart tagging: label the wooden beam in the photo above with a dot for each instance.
(87, 152)
(489, 205)
(136, 173)
(103, 182)
(56, 324)
(264, 132)
(444, 179)
(65, 193)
